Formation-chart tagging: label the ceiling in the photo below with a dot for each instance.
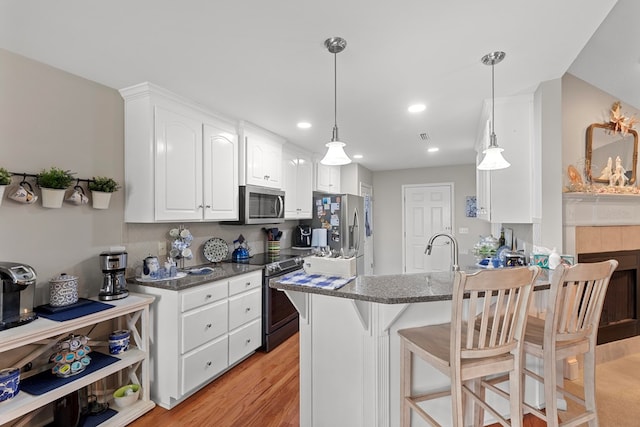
(265, 62)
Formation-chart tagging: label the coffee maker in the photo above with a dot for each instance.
(302, 236)
(18, 292)
(114, 285)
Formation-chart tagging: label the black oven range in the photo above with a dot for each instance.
(279, 316)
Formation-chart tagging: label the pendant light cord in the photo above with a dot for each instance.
(335, 90)
(493, 101)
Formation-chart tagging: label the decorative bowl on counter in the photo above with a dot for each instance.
(9, 383)
(126, 396)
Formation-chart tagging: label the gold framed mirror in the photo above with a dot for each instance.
(604, 146)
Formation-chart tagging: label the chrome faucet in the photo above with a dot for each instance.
(454, 248)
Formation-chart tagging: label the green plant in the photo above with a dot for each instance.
(5, 177)
(104, 184)
(55, 178)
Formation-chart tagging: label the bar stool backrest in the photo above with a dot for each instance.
(575, 301)
(491, 321)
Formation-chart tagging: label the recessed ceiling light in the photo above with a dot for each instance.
(304, 125)
(433, 149)
(357, 156)
(416, 108)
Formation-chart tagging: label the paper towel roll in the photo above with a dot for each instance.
(319, 237)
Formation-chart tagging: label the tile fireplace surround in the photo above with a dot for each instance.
(600, 223)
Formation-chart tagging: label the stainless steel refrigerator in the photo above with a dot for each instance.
(342, 215)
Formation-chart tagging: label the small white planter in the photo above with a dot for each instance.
(52, 197)
(100, 199)
(2, 188)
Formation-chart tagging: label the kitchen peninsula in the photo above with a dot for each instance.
(349, 347)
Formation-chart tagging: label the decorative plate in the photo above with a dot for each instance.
(215, 249)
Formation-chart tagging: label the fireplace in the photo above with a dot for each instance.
(621, 307)
(601, 227)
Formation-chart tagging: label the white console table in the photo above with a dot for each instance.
(131, 313)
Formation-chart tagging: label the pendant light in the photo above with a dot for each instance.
(493, 159)
(335, 154)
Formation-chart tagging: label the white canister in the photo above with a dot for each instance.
(63, 290)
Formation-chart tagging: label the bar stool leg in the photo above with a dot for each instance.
(550, 382)
(589, 381)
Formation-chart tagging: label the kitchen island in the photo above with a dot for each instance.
(350, 350)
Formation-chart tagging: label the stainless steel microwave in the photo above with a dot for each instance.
(260, 205)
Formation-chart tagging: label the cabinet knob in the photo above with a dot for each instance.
(208, 296)
(248, 340)
(208, 206)
(248, 284)
(209, 363)
(200, 206)
(208, 325)
(248, 309)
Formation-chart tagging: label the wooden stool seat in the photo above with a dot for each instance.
(484, 337)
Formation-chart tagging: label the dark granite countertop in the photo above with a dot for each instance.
(398, 288)
(221, 270)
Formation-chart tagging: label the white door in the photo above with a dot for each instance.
(366, 191)
(427, 210)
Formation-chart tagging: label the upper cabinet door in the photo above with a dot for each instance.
(220, 171)
(297, 183)
(178, 166)
(304, 182)
(263, 160)
(327, 178)
(507, 195)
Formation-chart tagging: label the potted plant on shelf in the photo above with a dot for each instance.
(5, 179)
(101, 188)
(53, 183)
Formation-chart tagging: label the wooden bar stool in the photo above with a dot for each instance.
(570, 328)
(497, 302)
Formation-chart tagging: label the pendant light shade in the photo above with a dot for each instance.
(335, 149)
(493, 159)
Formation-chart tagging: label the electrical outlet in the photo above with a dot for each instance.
(162, 248)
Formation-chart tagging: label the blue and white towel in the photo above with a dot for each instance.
(315, 280)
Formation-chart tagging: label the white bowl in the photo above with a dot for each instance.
(122, 399)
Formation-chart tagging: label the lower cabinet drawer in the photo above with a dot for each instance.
(245, 307)
(204, 363)
(203, 324)
(245, 340)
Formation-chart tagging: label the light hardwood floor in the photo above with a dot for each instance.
(263, 391)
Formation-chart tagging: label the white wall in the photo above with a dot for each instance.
(387, 210)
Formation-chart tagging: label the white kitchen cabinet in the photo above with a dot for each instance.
(132, 366)
(220, 171)
(327, 178)
(181, 161)
(297, 183)
(200, 332)
(261, 157)
(506, 195)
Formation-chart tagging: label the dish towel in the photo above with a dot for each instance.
(315, 280)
